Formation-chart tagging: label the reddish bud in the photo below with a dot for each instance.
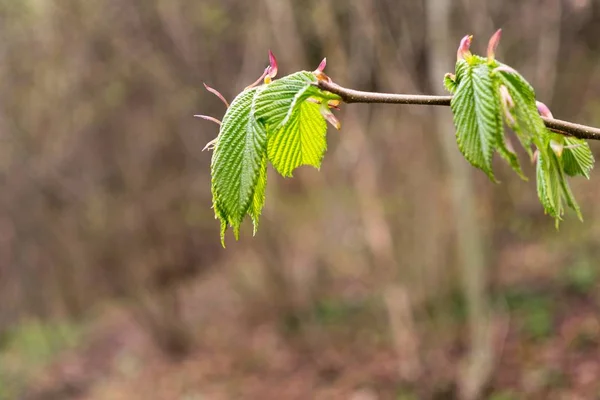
(216, 93)
(493, 45)
(543, 110)
(463, 49)
(272, 71)
(322, 65)
(321, 76)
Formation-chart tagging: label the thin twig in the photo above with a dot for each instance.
(356, 96)
(572, 129)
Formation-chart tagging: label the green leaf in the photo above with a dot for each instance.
(301, 141)
(296, 128)
(238, 164)
(528, 123)
(553, 187)
(279, 99)
(486, 93)
(450, 83)
(258, 199)
(552, 169)
(577, 157)
(548, 185)
(283, 122)
(272, 122)
(476, 112)
(506, 151)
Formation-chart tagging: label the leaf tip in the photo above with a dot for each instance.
(236, 231)
(223, 230)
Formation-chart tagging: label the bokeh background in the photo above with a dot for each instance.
(397, 271)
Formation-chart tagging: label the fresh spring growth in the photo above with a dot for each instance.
(507, 105)
(281, 122)
(210, 145)
(334, 103)
(319, 71)
(489, 94)
(463, 52)
(268, 74)
(493, 45)
(556, 143)
(272, 73)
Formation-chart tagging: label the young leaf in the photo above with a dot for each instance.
(553, 187)
(299, 142)
(258, 199)
(450, 83)
(548, 186)
(272, 122)
(277, 102)
(505, 149)
(476, 110)
(577, 157)
(296, 127)
(527, 122)
(567, 194)
(238, 165)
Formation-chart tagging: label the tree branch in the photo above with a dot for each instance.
(357, 96)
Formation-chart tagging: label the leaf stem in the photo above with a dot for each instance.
(356, 96)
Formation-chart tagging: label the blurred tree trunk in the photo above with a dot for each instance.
(469, 250)
(548, 47)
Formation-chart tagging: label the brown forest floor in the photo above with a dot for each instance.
(551, 351)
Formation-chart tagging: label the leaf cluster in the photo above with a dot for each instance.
(281, 122)
(488, 96)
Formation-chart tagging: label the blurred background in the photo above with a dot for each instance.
(396, 272)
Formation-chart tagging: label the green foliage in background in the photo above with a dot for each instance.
(28, 348)
(283, 122)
